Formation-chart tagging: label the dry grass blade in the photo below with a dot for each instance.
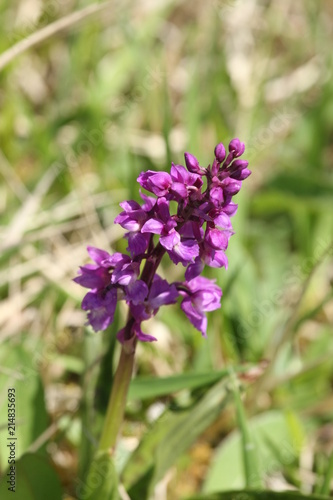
(11, 308)
(43, 438)
(12, 179)
(278, 381)
(29, 207)
(51, 30)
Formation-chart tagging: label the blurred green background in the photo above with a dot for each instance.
(131, 88)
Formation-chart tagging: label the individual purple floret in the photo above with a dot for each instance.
(195, 234)
(201, 295)
(101, 306)
(158, 183)
(160, 294)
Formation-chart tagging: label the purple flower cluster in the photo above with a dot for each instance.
(195, 235)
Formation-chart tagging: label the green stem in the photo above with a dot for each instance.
(117, 401)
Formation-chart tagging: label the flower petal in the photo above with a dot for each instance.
(198, 320)
(152, 226)
(101, 308)
(136, 292)
(97, 255)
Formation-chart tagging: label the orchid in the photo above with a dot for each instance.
(196, 235)
(186, 216)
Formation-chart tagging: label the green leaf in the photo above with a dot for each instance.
(91, 421)
(35, 480)
(151, 387)
(142, 459)
(102, 481)
(257, 495)
(267, 429)
(148, 387)
(140, 490)
(173, 434)
(20, 372)
(188, 426)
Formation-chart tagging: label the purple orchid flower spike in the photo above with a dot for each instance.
(196, 234)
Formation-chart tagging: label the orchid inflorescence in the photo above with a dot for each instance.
(195, 236)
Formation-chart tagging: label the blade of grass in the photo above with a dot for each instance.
(326, 487)
(313, 312)
(148, 387)
(288, 330)
(29, 208)
(173, 433)
(251, 468)
(290, 375)
(12, 179)
(257, 495)
(49, 31)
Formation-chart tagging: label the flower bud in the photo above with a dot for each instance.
(192, 163)
(236, 147)
(241, 175)
(231, 186)
(219, 152)
(238, 170)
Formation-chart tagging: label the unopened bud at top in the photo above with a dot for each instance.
(219, 152)
(192, 163)
(236, 147)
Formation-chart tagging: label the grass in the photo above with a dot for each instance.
(83, 112)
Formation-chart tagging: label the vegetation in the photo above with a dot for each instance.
(87, 106)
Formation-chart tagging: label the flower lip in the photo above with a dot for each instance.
(101, 308)
(203, 296)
